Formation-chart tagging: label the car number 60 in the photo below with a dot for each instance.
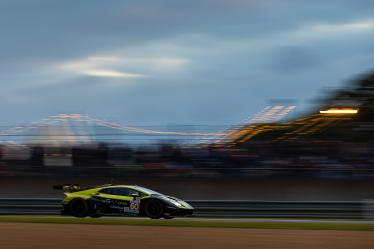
(134, 206)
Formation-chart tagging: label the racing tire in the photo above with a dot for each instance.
(154, 209)
(78, 207)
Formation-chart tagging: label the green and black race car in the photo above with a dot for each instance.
(127, 200)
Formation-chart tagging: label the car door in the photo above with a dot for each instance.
(118, 200)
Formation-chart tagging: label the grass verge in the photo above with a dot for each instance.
(192, 223)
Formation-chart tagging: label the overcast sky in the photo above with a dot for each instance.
(176, 62)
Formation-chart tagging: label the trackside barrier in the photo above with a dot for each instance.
(221, 208)
(368, 209)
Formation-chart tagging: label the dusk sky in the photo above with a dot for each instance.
(176, 62)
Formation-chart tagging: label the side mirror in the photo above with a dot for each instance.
(134, 195)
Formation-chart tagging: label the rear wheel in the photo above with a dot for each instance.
(78, 207)
(154, 209)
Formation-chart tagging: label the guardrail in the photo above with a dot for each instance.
(220, 208)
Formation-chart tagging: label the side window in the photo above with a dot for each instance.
(121, 191)
(126, 191)
(109, 191)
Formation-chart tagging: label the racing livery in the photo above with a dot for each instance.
(130, 200)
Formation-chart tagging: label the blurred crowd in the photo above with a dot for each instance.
(259, 159)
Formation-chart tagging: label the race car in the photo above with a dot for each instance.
(129, 200)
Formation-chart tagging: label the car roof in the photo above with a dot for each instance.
(136, 187)
(117, 186)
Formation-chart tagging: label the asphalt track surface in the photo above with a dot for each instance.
(62, 236)
(218, 220)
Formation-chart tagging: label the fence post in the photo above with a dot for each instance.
(368, 209)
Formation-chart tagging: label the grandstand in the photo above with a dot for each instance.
(346, 116)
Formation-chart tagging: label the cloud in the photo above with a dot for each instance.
(325, 30)
(348, 27)
(118, 66)
(95, 66)
(110, 73)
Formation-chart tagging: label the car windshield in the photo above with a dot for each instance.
(148, 191)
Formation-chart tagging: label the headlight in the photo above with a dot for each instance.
(175, 203)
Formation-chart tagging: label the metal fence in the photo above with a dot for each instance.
(220, 208)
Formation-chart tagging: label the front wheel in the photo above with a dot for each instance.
(154, 209)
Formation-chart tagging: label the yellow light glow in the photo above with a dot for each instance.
(339, 111)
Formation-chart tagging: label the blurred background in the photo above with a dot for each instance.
(232, 100)
(325, 154)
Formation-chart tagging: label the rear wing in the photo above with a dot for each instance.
(68, 187)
